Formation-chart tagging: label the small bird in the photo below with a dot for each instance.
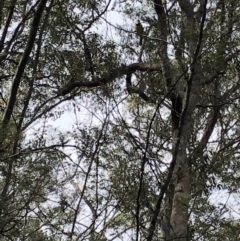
(139, 31)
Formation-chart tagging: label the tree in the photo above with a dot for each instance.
(155, 135)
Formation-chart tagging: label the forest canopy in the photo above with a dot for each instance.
(119, 120)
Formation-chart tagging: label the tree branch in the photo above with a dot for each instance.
(187, 8)
(115, 73)
(23, 62)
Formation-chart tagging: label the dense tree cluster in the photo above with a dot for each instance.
(104, 139)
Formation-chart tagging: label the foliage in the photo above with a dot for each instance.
(100, 136)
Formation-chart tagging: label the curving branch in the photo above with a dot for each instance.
(115, 73)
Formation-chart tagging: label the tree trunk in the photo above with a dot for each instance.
(181, 194)
(181, 179)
